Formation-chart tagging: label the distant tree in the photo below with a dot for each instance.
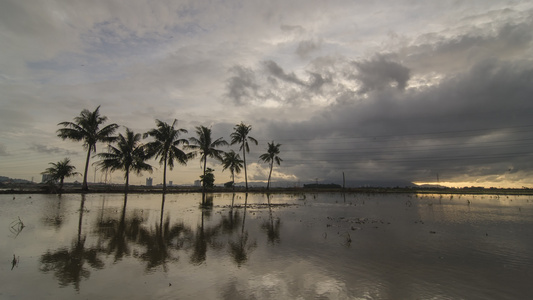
(166, 146)
(270, 157)
(59, 171)
(206, 147)
(86, 128)
(233, 162)
(129, 156)
(208, 179)
(240, 136)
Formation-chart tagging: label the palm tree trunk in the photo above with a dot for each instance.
(165, 176)
(270, 174)
(245, 174)
(61, 184)
(85, 187)
(203, 180)
(127, 181)
(233, 178)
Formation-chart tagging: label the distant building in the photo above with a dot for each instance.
(46, 178)
(197, 183)
(149, 181)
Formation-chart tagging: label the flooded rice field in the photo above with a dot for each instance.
(305, 246)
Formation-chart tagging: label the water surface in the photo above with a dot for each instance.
(323, 246)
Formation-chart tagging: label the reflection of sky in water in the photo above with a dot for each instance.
(326, 246)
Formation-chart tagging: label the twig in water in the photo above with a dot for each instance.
(14, 262)
(16, 227)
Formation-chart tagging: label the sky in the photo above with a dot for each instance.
(386, 92)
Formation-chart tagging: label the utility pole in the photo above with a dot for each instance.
(343, 181)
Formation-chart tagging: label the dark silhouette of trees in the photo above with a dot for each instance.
(166, 146)
(233, 162)
(129, 156)
(240, 136)
(86, 128)
(59, 171)
(204, 145)
(270, 157)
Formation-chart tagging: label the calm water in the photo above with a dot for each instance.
(308, 246)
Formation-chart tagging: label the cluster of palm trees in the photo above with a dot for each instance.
(127, 153)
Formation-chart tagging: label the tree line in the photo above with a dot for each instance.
(127, 153)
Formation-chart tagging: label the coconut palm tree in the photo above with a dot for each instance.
(59, 171)
(129, 156)
(165, 146)
(240, 136)
(233, 162)
(206, 147)
(86, 128)
(270, 157)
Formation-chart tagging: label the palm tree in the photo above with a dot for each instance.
(166, 145)
(59, 171)
(240, 136)
(206, 147)
(86, 128)
(129, 156)
(270, 157)
(233, 162)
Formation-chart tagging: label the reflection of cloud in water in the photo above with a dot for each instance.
(299, 280)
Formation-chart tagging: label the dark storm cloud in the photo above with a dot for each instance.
(476, 123)
(381, 72)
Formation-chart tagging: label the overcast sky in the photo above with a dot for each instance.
(388, 92)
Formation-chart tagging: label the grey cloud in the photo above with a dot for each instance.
(381, 72)
(51, 150)
(242, 86)
(3, 151)
(274, 69)
(315, 82)
(292, 28)
(306, 47)
(450, 55)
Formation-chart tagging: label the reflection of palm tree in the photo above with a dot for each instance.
(270, 157)
(240, 249)
(119, 233)
(272, 227)
(129, 155)
(233, 162)
(68, 264)
(86, 128)
(240, 136)
(57, 220)
(230, 223)
(166, 145)
(206, 147)
(157, 242)
(160, 243)
(204, 235)
(59, 171)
